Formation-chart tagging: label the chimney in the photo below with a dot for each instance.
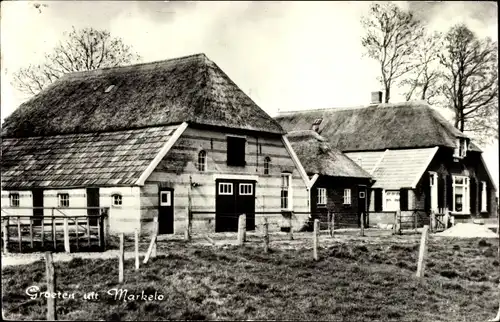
(376, 97)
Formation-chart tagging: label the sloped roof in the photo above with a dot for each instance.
(81, 160)
(393, 171)
(189, 89)
(377, 127)
(318, 157)
(367, 160)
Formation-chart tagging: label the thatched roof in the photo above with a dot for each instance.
(190, 89)
(81, 160)
(318, 157)
(377, 127)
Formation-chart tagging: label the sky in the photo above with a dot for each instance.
(284, 55)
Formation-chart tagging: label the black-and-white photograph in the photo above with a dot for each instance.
(250, 160)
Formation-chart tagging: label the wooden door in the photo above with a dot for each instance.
(37, 202)
(245, 202)
(93, 201)
(226, 218)
(166, 211)
(362, 205)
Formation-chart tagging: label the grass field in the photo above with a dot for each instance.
(355, 279)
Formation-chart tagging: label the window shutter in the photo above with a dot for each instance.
(449, 192)
(473, 196)
(427, 192)
(403, 199)
(440, 189)
(488, 198)
(378, 199)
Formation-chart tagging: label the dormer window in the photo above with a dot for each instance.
(461, 148)
(316, 123)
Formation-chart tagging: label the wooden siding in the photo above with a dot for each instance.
(180, 166)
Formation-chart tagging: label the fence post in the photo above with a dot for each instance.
(121, 259)
(266, 236)
(19, 234)
(155, 237)
(362, 230)
(315, 239)
(31, 232)
(51, 287)
(329, 222)
(290, 233)
(422, 254)
(241, 229)
(5, 230)
(187, 232)
(66, 236)
(136, 235)
(397, 223)
(332, 232)
(415, 220)
(105, 224)
(432, 223)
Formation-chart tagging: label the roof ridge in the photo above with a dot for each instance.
(97, 70)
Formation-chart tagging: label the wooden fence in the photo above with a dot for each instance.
(60, 231)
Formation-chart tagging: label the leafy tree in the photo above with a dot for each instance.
(80, 50)
(391, 34)
(471, 82)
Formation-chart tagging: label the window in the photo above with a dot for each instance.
(225, 188)
(321, 196)
(14, 199)
(63, 200)
(460, 194)
(347, 196)
(391, 200)
(202, 161)
(236, 151)
(165, 198)
(267, 162)
(285, 190)
(116, 200)
(461, 148)
(484, 201)
(246, 189)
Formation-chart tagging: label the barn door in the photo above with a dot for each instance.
(362, 205)
(166, 211)
(245, 202)
(37, 202)
(93, 201)
(225, 205)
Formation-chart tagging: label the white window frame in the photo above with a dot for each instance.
(347, 197)
(466, 194)
(221, 188)
(202, 166)
(116, 200)
(288, 188)
(61, 200)
(433, 183)
(246, 189)
(12, 199)
(267, 165)
(461, 148)
(169, 198)
(322, 196)
(384, 200)
(484, 197)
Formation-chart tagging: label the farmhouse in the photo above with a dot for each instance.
(337, 184)
(151, 141)
(418, 160)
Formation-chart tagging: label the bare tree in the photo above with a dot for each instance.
(424, 81)
(81, 50)
(471, 82)
(390, 38)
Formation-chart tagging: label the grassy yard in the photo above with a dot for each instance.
(355, 279)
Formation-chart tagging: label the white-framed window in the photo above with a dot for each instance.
(347, 196)
(116, 200)
(246, 189)
(433, 183)
(321, 196)
(461, 148)
(14, 199)
(165, 198)
(63, 200)
(391, 200)
(202, 161)
(267, 164)
(225, 188)
(484, 199)
(286, 184)
(461, 194)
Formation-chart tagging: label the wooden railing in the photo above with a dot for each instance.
(60, 230)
